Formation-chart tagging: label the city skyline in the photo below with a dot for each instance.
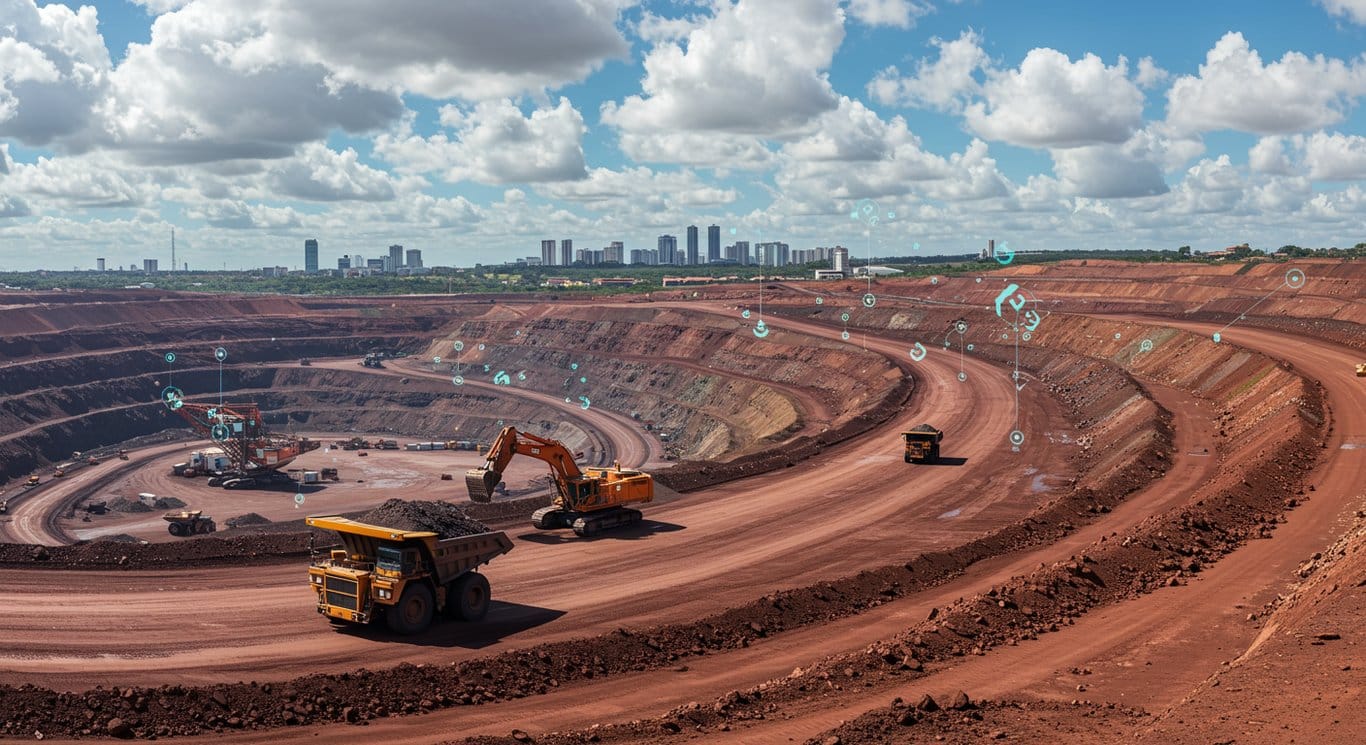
(962, 121)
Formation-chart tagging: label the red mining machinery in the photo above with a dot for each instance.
(256, 454)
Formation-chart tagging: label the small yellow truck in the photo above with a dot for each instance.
(922, 443)
(404, 576)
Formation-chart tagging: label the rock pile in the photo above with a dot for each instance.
(442, 518)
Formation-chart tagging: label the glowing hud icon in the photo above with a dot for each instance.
(1004, 254)
(869, 300)
(458, 380)
(744, 313)
(220, 354)
(502, 378)
(918, 352)
(170, 357)
(459, 346)
(760, 329)
(1146, 345)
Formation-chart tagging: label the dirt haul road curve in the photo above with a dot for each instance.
(707, 551)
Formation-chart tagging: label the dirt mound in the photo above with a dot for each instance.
(119, 538)
(242, 521)
(983, 721)
(168, 503)
(206, 551)
(442, 518)
(124, 504)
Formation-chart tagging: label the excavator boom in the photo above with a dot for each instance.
(510, 442)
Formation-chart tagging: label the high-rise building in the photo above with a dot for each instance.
(667, 246)
(645, 256)
(692, 245)
(713, 243)
(548, 252)
(839, 260)
(413, 258)
(615, 251)
(149, 266)
(311, 255)
(742, 252)
(376, 265)
(343, 263)
(566, 252)
(358, 262)
(99, 265)
(395, 258)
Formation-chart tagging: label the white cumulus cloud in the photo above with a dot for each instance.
(494, 143)
(895, 13)
(1235, 90)
(1334, 157)
(1268, 156)
(941, 84)
(1352, 10)
(1051, 101)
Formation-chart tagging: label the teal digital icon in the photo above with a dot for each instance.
(744, 313)
(573, 366)
(918, 352)
(173, 397)
(934, 280)
(866, 211)
(459, 346)
(1146, 345)
(820, 301)
(844, 335)
(1004, 254)
(481, 347)
(1117, 335)
(1017, 438)
(1026, 336)
(584, 402)
(521, 375)
(844, 317)
(486, 368)
(502, 378)
(962, 376)
(1294, 279)
(170, 357)
(969, 347)
(220, 432)
(220, 354)
(458, 380)
(1218, 337)
(869, 300)
(298, 501)
(436, 360)
(761, 329)
(500, 422)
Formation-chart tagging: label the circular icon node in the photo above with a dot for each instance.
(1217, 337)
(1294, 279)
(459, 346)
(573, 366)
(584, 402)
(500, 422)
(170, 357)
(917, 352)
(1016, 438)
(744, 313)
(969, 347)
(481, 347)
(518, 332)
(844, 335)
(1116, 336)
(844, 317)
(436, 360)
(458, 380)
(219, 432)
(1026, 336)
(866, 210)
(761, 329)
(298, 499)
(521, 375)
(979, 280)
(220, 354)
(962, 377)
(583, 380)
(820, 301)
(961, 327)
(934, 280)
(869, 300)
(1146, 345)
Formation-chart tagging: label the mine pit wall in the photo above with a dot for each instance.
(626, 359)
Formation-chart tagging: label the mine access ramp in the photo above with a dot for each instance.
(405, 577)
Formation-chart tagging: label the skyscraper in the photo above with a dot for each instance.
(840, 260)
(413, 258)
(99, 265)
(615, 251)
(343, 263)
(395, 257)
(149, 266)
(566, 252)
(714, 243)
(311, 256)
(548, 252)
(742, 252)
(667, 245)
(692, 245)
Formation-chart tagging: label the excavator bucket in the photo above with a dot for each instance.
(480, 482)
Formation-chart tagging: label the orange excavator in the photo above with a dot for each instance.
(589, 500)
(257, 455)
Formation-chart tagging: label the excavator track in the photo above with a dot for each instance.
(593, 523)
(550, 518)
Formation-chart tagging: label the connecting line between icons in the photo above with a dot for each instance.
(1244, 313)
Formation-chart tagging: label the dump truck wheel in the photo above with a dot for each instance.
(907, 458)
(468, 598)
(176, 529)
(413, 611)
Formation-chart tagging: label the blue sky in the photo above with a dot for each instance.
(474, 130)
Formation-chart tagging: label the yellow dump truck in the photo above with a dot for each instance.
(922, 443)
(1361, 370)
(404, 576)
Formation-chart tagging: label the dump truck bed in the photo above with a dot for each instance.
(450, 556)
(923, 431)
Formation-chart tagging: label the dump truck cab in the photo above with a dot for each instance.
(404, 576)
(922, 444)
